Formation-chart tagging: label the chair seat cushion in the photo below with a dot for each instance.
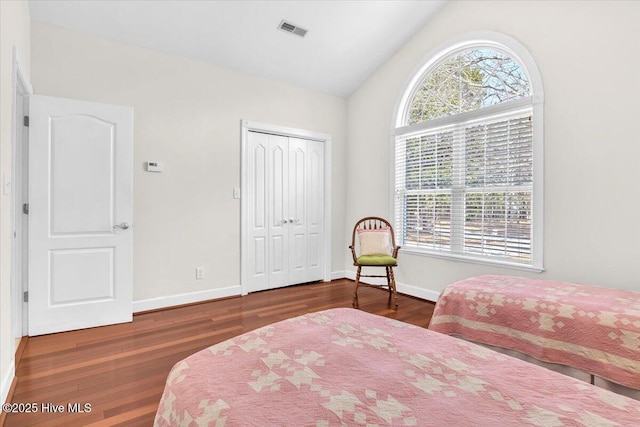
(385, 260)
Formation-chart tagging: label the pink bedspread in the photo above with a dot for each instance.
(347, 367)
(585, 327)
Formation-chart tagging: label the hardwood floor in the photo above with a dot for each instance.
(120, 370)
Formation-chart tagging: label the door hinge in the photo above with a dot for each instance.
(26, 121)
(25, 296)
(25, 209)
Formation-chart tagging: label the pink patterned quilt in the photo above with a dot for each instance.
(346, 367)
(590, 328)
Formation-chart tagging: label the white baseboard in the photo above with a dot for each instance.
(414, 291)
(403, 288)
(188, 298)
(7, 379)
(200, 296)
(335, 275)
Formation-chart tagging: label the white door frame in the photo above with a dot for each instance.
(21, 89)
(248, 126)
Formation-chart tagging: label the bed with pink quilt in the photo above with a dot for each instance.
(347, 367)
(593, 329)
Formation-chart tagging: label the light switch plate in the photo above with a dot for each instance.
(6, 184)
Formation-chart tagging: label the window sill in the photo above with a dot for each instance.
(472, 259)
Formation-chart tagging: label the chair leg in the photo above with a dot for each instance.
(389, 272)
(354, 303)
(392, 286)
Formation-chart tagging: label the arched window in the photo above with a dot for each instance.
(468, 155)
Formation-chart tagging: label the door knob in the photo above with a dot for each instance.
(122, 225)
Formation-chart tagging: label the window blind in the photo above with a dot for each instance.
(466, 187)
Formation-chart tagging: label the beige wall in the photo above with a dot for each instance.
(589, 56)
(14, 22)
(187, 115)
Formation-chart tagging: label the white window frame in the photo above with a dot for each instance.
(512, 48)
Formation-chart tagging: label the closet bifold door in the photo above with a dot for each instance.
(256, 175)
(306, 210)
(285, 210)
(278, 211)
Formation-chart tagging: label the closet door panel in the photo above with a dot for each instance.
(257, 195)
(298, 195)
(278, 202)
(315, 209)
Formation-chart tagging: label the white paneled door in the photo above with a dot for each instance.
(285, 211)
(80, 214)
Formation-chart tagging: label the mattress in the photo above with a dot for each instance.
(590, 328)
(347, 367)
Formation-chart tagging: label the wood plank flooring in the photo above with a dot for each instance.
(120, 370)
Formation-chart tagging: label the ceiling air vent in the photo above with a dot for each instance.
(293, 29)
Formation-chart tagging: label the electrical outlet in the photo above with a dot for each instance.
(199, 273)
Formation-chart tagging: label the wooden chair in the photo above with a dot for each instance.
(373, 244)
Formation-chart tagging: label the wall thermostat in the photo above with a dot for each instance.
(154, 167)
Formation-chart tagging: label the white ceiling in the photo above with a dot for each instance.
(347, 40)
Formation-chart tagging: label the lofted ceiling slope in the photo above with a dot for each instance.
(346, 40)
